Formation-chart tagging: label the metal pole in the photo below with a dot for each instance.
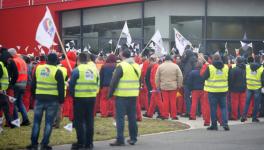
(205, 24)
(81, 29)
(142, 23)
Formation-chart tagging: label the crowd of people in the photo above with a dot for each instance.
(85, 85)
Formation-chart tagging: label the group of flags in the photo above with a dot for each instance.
(46, 33)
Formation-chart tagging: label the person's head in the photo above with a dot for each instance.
(153, 59)
(111, 59)
(239, 60)
(52, 59)
(42, 57)
(125, 53)
(12, 52)
(216, 57)
(27, 59)
(250, 60)
(168, 58)
(82, 58)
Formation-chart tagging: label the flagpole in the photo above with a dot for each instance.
(63, 50)
(118, 42)
(146, 46)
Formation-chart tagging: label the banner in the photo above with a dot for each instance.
(46, 30)
(180, 42)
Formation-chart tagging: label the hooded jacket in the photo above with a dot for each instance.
(255, 67)
(237, 78)
(195, 81)
(217, 65)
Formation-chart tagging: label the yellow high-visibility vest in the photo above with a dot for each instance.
(253, 78)
(128, 85)
(218, 80)
(87, 84)
(46, 82)
(64, 73)
(4, 79)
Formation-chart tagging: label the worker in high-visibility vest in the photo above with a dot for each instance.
(4, 83)
(83, 87)
(48, 88)
(255, 80)
(19, 86)
(216, 76)
(125, 86)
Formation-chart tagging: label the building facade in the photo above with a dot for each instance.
(209, 23)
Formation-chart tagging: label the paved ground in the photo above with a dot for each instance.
(246, 136)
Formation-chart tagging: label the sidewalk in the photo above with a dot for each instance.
(194, 124)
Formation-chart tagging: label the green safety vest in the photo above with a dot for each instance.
(253, 78)
(4, 79)
(64, 73)
(87, 85)
(46, 82)
(218, 80)
(128, 85)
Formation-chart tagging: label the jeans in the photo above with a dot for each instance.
(84, 120)
(50, 107)
(257, 97)
(18, 94)
(126, 106)
(187, 99)
(214, 99)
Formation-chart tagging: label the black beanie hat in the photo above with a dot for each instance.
(52, 58)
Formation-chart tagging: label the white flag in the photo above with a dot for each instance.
(11, 99)
(125, 33)
(245, 46)
(46, 30)
(110, 41)
(26, 49)
(39, 46)
(54, 44)
(18, 47)
(16, 122)
(159, 48)
(1, 45)
(180, 42)
(68, 127)
(137, 46)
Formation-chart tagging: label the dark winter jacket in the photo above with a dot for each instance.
(195, 81)
(106, 74)
(237, 78)
(188, 64)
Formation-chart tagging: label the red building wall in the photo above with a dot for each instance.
(18, 25)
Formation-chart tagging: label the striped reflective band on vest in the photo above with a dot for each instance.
(253, 78)
(217, 81)
(4, 79)
(46, 82)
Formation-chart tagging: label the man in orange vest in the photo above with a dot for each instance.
(20, 86)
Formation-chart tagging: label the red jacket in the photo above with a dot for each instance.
(72, 60)
(152, 76)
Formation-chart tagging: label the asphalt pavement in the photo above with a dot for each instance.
(242, 136)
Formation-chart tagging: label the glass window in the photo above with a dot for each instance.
(106, 23)
(235, 27)
(189, 27)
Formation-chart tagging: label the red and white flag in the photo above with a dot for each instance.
(46, 30)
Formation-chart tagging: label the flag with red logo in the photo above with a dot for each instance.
(46, 30)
